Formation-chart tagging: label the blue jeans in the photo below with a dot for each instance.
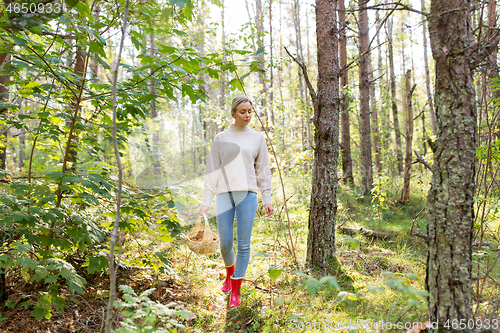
(244, 204)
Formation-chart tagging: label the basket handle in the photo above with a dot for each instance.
(207, 235)
(197, 226)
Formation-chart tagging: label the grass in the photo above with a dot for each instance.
(380, 281)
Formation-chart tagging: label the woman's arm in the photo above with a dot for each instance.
(263, 173)
(211, 175)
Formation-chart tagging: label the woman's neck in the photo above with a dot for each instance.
(238, 128)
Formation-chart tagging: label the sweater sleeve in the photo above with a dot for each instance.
(263, 172)
(211, 174)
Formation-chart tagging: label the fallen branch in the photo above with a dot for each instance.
(366, 232)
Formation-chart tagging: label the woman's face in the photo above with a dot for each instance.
(243, 114)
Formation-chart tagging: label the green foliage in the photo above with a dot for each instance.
(145, 316)
(402, 284)
(313, 285)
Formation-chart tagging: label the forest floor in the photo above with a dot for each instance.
(380, 282)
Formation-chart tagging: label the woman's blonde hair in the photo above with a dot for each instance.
(237, 101)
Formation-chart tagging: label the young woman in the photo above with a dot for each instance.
(237, 167)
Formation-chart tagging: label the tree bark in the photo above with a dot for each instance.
(492, 64)
(259, 22)
(426, 65)
(4, 96)
(374, 118)
(222, 81)
(397, 135)
(271, 83)
(321, 236)
(405, 193)
(345, 144)
(451, 197)
(364, 104)
(385, 138)
(75, 106)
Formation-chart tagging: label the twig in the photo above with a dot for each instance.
(306, 76)
(396, 4)
(420, 159)
(421, 235)
(397, 320)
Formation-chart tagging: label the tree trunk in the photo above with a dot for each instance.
(298, 42)
(75, 107)
(345, 143)
(405, 194)
(271, 83)
(22, 149)
(94, 64)
(385, 138)
(364, 104)
(259, 22)
(493, 65)
(321, 236)
(374, 118)
(426, 65)
(397, 135)
(308, 103)
(451, 197)
(222, 81)
(4, 96)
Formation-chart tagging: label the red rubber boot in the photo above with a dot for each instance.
(226, 285)
(235, 300)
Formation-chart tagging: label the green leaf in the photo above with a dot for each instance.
(60, 304)
(97, 264)
(331, 281)
(352, 242)
(312, 286)
(376, 289)
(41, 312)
(345, 294)
(19, 41)
(244, 76)
(274, 272)
(180, 3)
(412, 276)
(27, 262)
(127, 290)
(56, 175)
(260, 51)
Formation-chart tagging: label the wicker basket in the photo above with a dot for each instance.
(208, 244)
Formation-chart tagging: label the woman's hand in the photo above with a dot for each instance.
(203, 210)
(269, 210)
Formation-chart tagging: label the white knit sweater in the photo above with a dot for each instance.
(238, 161)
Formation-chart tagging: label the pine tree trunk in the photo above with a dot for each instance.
(426, 65)
(397, 135)
(451, 197)
(364, 104)
(492, 64)
(405, 194)
(385, 138)
(345, 143)
(322, 216)
(374, 118)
